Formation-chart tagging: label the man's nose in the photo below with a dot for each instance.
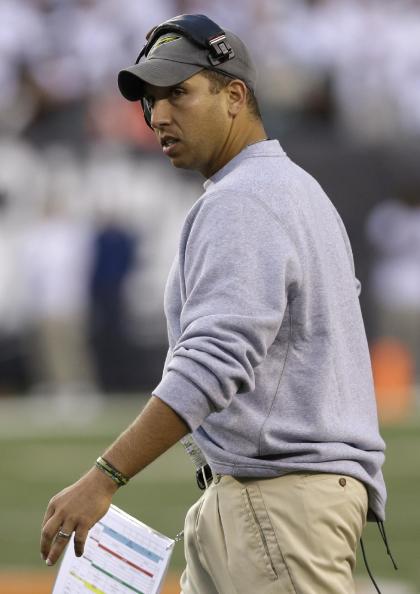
(161, 113)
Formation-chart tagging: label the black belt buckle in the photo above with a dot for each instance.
(204, 476)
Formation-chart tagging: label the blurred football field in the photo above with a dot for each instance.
(40, 456)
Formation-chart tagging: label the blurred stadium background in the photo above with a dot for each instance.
(89, 218)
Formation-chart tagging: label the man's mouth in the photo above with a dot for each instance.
(168, 143)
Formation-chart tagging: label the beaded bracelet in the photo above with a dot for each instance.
(114, 474)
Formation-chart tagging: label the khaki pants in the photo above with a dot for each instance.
(292, 534)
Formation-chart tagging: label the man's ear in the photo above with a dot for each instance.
(236, 95)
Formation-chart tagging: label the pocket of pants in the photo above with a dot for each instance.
(199, 506)
(335, 507)
(360, 491)
(263, 532)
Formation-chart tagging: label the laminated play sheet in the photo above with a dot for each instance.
(122, 556)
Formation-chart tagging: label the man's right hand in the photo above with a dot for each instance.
(80, 506)
(75, 509)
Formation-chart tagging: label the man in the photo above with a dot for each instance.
(268, 363)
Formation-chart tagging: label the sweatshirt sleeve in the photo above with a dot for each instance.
(357, 283)
(236, 265)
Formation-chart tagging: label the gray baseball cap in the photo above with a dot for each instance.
(174, 58)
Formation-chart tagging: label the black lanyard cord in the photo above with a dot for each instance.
(381, 529)
(382, 532)
(367, 567)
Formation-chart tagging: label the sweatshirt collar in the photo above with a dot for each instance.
(264, 148)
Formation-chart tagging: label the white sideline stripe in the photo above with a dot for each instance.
(24, 418)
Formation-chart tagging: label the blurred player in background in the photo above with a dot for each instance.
(268, 364)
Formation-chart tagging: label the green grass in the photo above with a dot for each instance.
(36, 463)
(402, 476)
(34, 467)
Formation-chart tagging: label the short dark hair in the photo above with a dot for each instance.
(219, 81)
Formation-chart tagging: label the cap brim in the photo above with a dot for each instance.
(160, 73)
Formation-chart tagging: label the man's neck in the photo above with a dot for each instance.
(236, 142)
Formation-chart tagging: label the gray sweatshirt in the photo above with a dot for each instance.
(268, 360)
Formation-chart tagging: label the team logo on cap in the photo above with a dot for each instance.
(162, 40)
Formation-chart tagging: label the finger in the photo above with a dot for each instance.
(80, 537)
(60, 541)
(48, 533)
(48, 513)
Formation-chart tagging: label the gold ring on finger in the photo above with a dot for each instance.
(63, 534)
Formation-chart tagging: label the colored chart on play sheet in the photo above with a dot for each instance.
(121, 556)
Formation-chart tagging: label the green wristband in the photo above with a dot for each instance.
(114, 474)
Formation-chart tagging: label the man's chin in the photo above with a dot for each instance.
(180, 163)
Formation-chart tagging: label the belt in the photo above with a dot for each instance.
(204, 477)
